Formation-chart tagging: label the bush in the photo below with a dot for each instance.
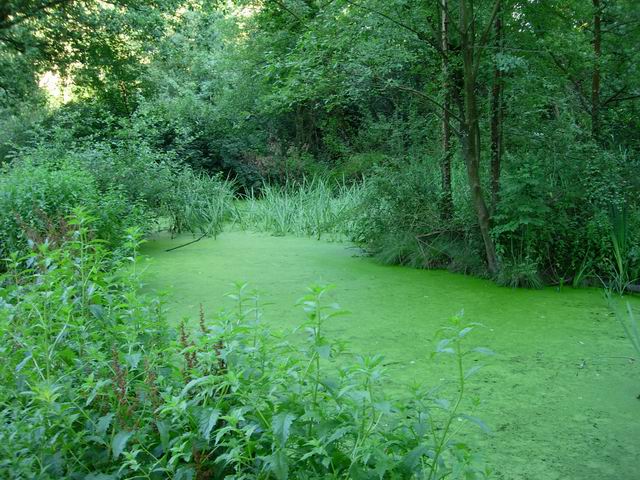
(519, 273)
(67, 321)
(122, 183)
(36, 198)
(140, 173)
(354, 167)
(558, 225)
(400, 221)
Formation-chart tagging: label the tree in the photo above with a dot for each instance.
(497, 112)
(447, 153)
(470, 137)
(99, 45)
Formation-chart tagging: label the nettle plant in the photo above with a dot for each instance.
(96, 385)
(262, 405)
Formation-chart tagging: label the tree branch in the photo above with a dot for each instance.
(288, 10)
(420, 35)
(485, 35)
(576, 85)
(622, 99)
(442, 8)
(430, 99)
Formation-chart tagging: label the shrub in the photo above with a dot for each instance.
(354, 167)
(122, 183)
(570, 220)
(519, 273)
(140, 173)
(400, 221)
(75, 339)
(35, 199)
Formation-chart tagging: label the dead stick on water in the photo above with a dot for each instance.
(185, 244)
(583, 363)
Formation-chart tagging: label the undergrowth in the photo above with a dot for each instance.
(199, 203)
(120, 186)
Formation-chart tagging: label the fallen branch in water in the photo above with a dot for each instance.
(185, 244)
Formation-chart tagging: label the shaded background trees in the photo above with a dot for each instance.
(521, 117)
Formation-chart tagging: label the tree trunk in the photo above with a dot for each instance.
(496, 119)
(447, 194)
(470, 132)
(595, 79)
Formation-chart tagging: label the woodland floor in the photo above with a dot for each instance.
(558, 395)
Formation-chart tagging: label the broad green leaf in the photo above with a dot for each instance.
(103, 423)
(95, 391)
(119, 443)
(133, 359)
(464, 332)
(472, 371)
(208, 419)
(97, 311)
(410, 461)
(324, 351)
(195, 383)
(185, 473)
(164, 429)
(484, 351)
(281, 425)
(279, 464)
(443, 347)
(476, 421)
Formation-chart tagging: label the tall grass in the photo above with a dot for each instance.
(630, 326)
(199, 203)
(622, 268)
(315, 207)
(627, 319)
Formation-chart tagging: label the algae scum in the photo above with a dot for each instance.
(560, 396)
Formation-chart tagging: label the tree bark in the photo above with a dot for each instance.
(496, 118)
(447, 194)
(595, 79)
(470, 131)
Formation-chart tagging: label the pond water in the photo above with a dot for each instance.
(560, 394)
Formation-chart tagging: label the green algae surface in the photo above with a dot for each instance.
(560, 395)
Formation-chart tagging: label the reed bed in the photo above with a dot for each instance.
(314, 207)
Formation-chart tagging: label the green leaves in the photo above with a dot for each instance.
(234, 397)
(103, 423)
(281, 425)
(208, 419)
(119, 443)
(279, 464)
(443, 346)
(483, 350)
(475, 420)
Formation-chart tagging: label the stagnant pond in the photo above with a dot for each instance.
(559, 395)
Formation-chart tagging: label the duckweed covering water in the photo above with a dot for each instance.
(560, 394)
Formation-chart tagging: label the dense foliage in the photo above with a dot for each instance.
(497, 139)
(122, 184)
